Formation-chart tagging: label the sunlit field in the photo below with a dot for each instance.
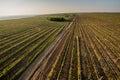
(81, 46)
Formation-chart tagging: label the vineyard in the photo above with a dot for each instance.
(86, 47)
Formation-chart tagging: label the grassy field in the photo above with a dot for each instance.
(84, 47)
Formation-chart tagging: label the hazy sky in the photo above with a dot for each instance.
(23, 7)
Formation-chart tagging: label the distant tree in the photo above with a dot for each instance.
(61, 19)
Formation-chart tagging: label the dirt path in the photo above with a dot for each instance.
(32, 68)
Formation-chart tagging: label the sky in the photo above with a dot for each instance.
(30, 7)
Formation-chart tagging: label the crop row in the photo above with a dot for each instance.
(48, 61)
(91, 51)
(97, 63)
(20, 57)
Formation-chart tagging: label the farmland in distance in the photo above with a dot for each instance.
(83, 47)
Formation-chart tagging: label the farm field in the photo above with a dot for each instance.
(85, 47)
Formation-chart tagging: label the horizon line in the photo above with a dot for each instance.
(55, 13)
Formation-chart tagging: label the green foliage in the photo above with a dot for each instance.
(60, 19)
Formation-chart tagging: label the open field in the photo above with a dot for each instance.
(87, 48)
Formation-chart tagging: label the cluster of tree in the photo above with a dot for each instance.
(61, 19)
